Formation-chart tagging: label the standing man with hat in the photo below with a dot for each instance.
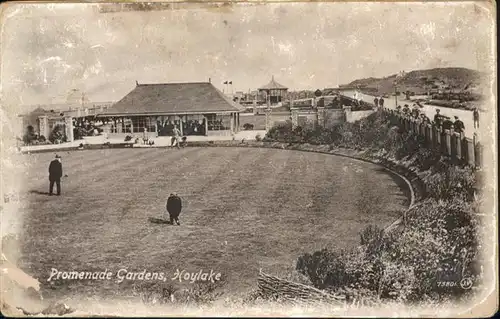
(55, 174)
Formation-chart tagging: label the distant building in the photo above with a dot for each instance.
(274, 92)
(196, 108)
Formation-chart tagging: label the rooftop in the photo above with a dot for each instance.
(173, 98)
(273, 85)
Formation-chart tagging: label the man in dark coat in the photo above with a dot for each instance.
(174, 207)
(381, 102)
(476, 117)
(437, 118)
(55, 174)
(458, 126)
(447, 124)
(406, 109)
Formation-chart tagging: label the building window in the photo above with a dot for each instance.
(219, 122)
(193, 125)
(166, 124)
(141, 123)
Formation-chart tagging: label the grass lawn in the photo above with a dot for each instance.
(244, 209)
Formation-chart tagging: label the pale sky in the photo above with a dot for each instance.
(49, 50)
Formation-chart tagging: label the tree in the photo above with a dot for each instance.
(30, 135)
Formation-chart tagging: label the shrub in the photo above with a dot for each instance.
(30, 135)
(258, 137)
(128, 138)
(57, 135)
(324, 268)
(440, 243)
(79, 133)
(448, 181)
(248, 126)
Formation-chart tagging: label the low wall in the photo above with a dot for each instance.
(219, 133)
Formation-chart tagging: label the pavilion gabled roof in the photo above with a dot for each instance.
(173, 98)
(273, 85)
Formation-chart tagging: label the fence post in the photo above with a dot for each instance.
(469, 151)
(436, 135)
(447, 142)
(428, 134)
(453, 145)
(477, 152)
(460, 156)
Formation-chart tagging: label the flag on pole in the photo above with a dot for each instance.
(231, 82)
(225, 82)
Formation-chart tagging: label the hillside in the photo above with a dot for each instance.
(422, 81)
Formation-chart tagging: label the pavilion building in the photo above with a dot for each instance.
(196, 108)
(275, 93)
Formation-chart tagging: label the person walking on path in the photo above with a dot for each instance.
(437, 119)
(174, 207)
(415, 112)
(176, 137)
(424, 119)
(476, 117)
(375, 101)
(381, 102)
(55, 174)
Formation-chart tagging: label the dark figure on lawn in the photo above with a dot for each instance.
(174, 207)
(375, 101)
(55, 174)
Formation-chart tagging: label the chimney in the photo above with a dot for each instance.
(136, 83)
(209, 80)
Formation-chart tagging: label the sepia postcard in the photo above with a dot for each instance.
(248, 158)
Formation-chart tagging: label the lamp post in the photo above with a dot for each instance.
(268, 118)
